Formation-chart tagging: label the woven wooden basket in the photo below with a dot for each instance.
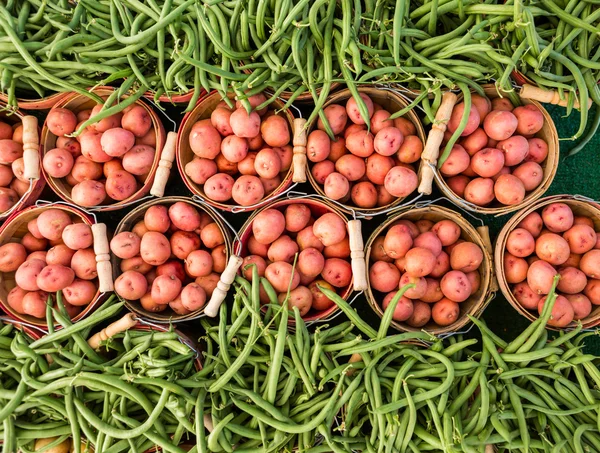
(77, 102)
(318, 208)
(476, 303)
(127, 224)
(31, 157)
(44, 103)
(12, 231)
(184, 153)
(391, 102)
(550, 165)
(579, 207)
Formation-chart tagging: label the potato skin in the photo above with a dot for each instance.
(268, 225)
(12, 255)
(281, 276)
(78, 236)
(404, 309)
(27, 273)
(384, 277)
(337, 272)
(155, 248)
(445, 312)
(562, 312)
(300, 297)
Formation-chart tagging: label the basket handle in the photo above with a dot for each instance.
(167, 156)
(357, 254)
(121, 325)
(31, 148)
(434, 141)
(548, 96)
(484, 232)
(102, 251)
(299, 142)
(220, 292)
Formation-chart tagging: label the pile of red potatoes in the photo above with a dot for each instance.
(294, 250)
(240, 156)
(171, 259)
(549, 242)
(498, 159)
(431, 255)
(109, 161)
(56, 254)
(12, 183)
(362, 167)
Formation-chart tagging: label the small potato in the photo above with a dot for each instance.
(361, 143)
(125, 245)
(244, 124)
(117, 141)
(148, 304)
(515, 149)
(155, 248)
(254, 100)
(286, 156)
(401, 181)
(351, 167)
(583, 220)
(406, 126)
(165, 288)
(538, 150)
(177, 306)
(472, 122)
(336, 117)
(247, 190)
(572, 280)
(558, 217)
(380, 120)
(78, 236)
(320, 301)
(139, 160)
(12, 255)
(533, 223)
(137, 120)
(193, 297)
(52, 222)
(457, 162)
(199, 263)
(268, 225)
(106, 123)
(336, 186)
(384, 277)
(219, 187)
(540, 276)
(283, 249)
(429, 240)
(219, 118)
(183, 243)
(377, 167)
(61, 121)
(445, 312)
(234, 148)
(208, 283)
(411, 149)
(384, 198)
(275, 131)
(475, 141)
(482, 104)
(156, 218)
(249, 262)
(306, 239)
(398, 241)
(337, 272)
(111, 166)
(269, 185)
(297, 217)
(184, 216)
(17, 187)
(419, 262)
(34, 304)
(562, 312)
(339, 250)
(364, 195)
(300, 297)
(267, 163)
(282, 276)
(18, 169)
(338, 149)
(420, 286)
(80, 292)
(582, 307)
(552, 248)
(121, 185)
(91, 147)
(520, 243)
(32, 244)
(60, 254)
(530, 119)
(581, 238)
(487, 162)
(318, 146)
(131, 285)
(224, 166)
(245, 166)
(6, 130)
(85, 169)
(15, 298)
(10, 151)
(434, 291)
(590, 263)
(205, 140)
(88, 193)
(55, 277)
(442, 265)
(447, 231)
(58, 162)
(528, 298)
(388, 140)
(211, 235)
(421, 314)
(404, 308)
(509, 190)
(6, 175)
(353, 110)
(330, 229)
(466, 257)
(140, 228)
(500, 124)
(530, 174)
(27, 273)
(84, 264)
(456, 286)
(592, 291)
(172, 267)
(458, 184)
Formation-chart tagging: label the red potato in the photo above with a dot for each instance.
(378, 252)
(58, 162)
(20, 188)
(411, 149)
(562, 312)
(351, 167)
(12, 255)
(184, 216)
(306, 239)
(27, 273)
(384, 277)
(148, 304)
(338, 149)
(155, 248)
(429, 240)
(60, 254)
(322, 170)
(140, 228)
(6, 131)
(552, 248)
(165, 288)
(193, 297)
(84, 264)
(336, 186)
(6, 175)
(205, 140)
(592, 291)
(297, 217)
(520, 243)
(421, 314)
(282, 276)
(538, 150)
(249, 262)
(125, 245)
(282, 249)
(224, 166)
(139, 160)
(18, 169)
(172, 267)
(466, 257)
(377, 167)
(526, 296)
(458, 184)
(337, 272)
(398, 241)
(581, 238)
(330, 229)
(34, 304)
(54, 277)
(15, 298)
(590, 263)
(380, 120)
(530, 119)
(404, 309)
(248, 190)
(245, 166)
(442, 265)
(244, 124)
(120, 185)
(268, 225)
(85, 169)
(275, 131)
(353, 110)
(447, 231)
(318, 146)
(582, 220)
(88, 193)
(137, 121)
(286, 156)
(500, 124)
(320, 301)
(515, 149)
(80, 292)
(91, 147)
(156, 218)
(401, 181)
(533, 223)
(388, 140)
(582, 307)
(502, 104)
(219, 118)
(211, 235)
(269, 185)
(336, 117)
(78, 236)
(456, 286)
(234, 149)
(32, 227)
(52, 222)
(445, 312)
(117, 141)
(384, 198)
(267, 163)
(531, 175)
(199, 263)
(406, 126)
(219, 187)
(482, 104)
(475, 141)
(61, 121)
(557, 217)
(515, 269)
(457, 162)
(339, 250)
(472, 122)
(300, 297)
(254, 100)
(177, 306)
(32, 244)
(572, 280)
(361, 143)
(419, 262)
(540, 276)
(10, 151)
(487, 162)
(352, 128)
(505, 171)
(434, 291)
(131, 285)
(112, 166)
(18, 134)
(364, 195)
(420, 286)
(106, 123)
(509, 190)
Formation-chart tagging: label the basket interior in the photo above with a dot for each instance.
(473, 305)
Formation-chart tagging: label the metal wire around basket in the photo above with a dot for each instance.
(163, 113)
(425, 203)
(44, 203)
(121, 206)
(314, 196)
(15, 322)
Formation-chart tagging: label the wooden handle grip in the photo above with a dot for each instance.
(434, 140)
(299, 162)
(357, 255)
(167, 156)
(102, 251)
(484, 232)
(31, 148)
(220, 292)
(126, 322)
(548, 96)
